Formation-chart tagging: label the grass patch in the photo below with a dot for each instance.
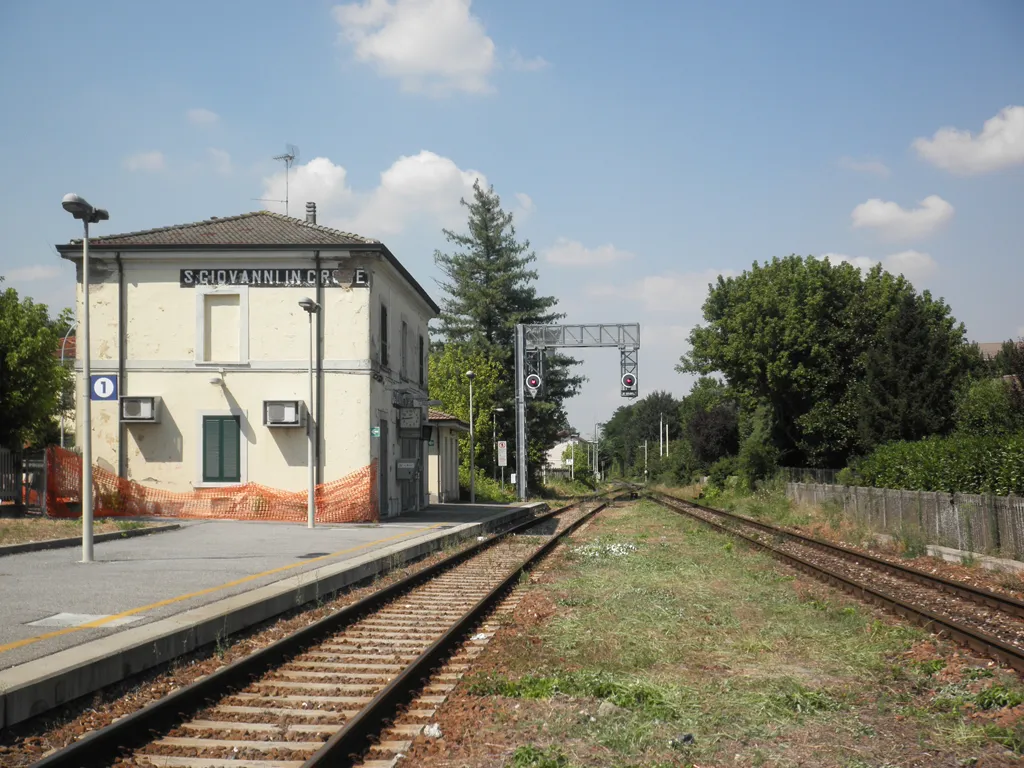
(24, 530)
(634, 694)
(529, 756)
(688, 633)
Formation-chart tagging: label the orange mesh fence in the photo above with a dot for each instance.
(352, 499)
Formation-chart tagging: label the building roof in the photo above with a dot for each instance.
(440, 418)
(989, 349)
(256, 228)
(69, 349)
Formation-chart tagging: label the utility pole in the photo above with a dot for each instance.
(661, 430)
(645, 461)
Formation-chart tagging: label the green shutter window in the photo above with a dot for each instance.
(221, 449)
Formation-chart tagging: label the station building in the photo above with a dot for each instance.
(200, 330)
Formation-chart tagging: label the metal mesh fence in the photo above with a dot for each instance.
(974, 522)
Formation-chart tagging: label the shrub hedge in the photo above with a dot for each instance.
(956, 464)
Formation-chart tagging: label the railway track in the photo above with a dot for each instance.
(320, 696)
(990, 623)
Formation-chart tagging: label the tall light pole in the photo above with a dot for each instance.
(311, 308)
(63, 348)
(81, 209)
(494, 437)
(472, 445)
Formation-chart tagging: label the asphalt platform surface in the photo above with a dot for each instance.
(45, 595)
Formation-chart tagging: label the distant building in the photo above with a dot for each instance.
(443, 456)
(199, 326)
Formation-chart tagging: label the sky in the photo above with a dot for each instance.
(643, 147)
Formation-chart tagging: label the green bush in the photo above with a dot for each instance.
(487, 490)
(986, 408)
(956, 464)
(721, 470)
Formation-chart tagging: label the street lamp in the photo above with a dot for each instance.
(311, 308)
(81, 209)
(472, 456)
(494, 438)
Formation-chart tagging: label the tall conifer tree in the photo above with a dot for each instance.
(489, 287)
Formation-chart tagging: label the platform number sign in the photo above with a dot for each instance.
(103, 387)
(502, 453)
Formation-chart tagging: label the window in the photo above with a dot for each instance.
(222, 325)
(423, 360)
(405, 345)
(383, 336)
(222, 449)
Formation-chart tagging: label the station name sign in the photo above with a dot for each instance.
(275, 278)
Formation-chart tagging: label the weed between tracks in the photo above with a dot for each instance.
(659, 642)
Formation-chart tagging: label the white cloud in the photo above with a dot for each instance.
(220, 160)
(914, 265)
(860, 262)
(524, 206)
(200, 116)
(999, 145)
(520, 64)
(573, 253)
(145, 161)
(31, 274)
(683, 294)
(874, 167)
(898, 223)
(432, 46)
(420, 188)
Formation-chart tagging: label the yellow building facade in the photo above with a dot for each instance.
(200, 330)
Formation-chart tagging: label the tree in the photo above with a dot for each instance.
(31, 376)
(447, 382)
(1009, 363)
(709, 415)
(579, 453)
(840, 360)
(489, 287)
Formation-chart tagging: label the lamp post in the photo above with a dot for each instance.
(63, 348)
(81, 209)
(472, 455)
(494, 438)
(311, 308)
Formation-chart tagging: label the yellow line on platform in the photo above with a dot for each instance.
(201, 592)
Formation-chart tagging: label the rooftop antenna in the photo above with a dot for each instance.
(291, 152)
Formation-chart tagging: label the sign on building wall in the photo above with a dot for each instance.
(502, 453)
(275, 278)
(103, 387)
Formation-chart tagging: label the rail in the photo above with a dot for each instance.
(981, 641)
(104, 746)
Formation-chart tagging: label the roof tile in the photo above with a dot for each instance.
(256, 228)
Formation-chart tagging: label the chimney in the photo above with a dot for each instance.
(311, 213)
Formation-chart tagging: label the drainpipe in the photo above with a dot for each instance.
(122, 333)
(318, 457)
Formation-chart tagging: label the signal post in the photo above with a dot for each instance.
(531, 342)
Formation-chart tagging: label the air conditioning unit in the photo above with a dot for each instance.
(144, 410)
(283, 413)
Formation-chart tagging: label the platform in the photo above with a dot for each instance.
(68, 628)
